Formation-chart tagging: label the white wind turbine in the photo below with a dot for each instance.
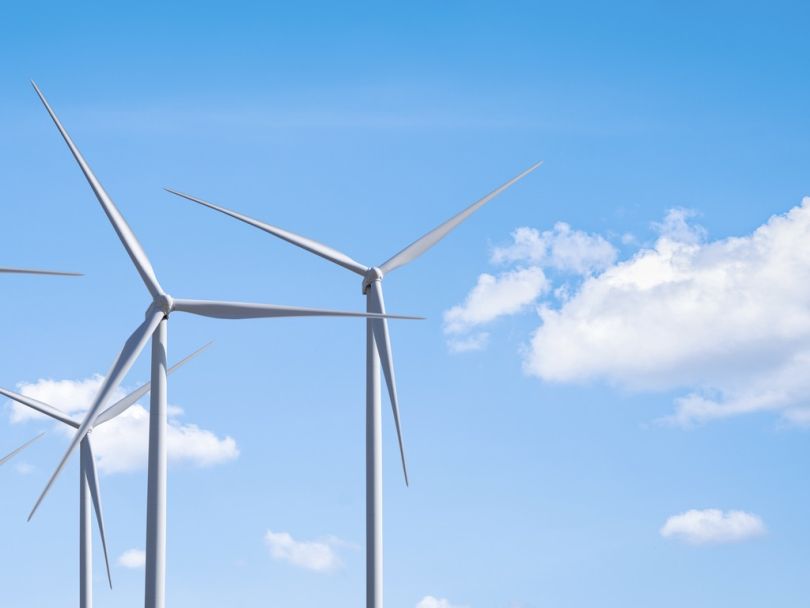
(156, 326)
(88, 477)
(378, 349)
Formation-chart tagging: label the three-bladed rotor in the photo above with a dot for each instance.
(86, 445)
(372, 275)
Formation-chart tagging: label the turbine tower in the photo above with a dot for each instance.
(378, 351)
(156, 325)
(88, 477)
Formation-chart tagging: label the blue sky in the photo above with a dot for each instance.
(545, 465)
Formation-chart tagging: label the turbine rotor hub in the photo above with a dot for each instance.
(164, 303)
(373, 274)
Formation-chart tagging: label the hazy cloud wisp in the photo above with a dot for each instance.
(315, 555)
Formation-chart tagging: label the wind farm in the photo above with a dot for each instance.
(155, 326)
(577, 374)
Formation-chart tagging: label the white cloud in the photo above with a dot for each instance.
(493, 297)
(433, 602)
(70, 396)
(727, 320)
(121, 444)
(132, 558)
(316, 555)
(713, 526)
(568, 251)
(560, 248)
(676, 227)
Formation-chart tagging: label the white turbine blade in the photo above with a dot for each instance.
(8, 457)
(383, 341)
(326, 252)
(41, 407)
(132, 348)
(125, 234)
(119, 407)
(58, 273)
(421, 245)
(245, 310)
(92, 482)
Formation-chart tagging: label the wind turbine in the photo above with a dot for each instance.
(378, 350)
(156, 326)
(88, 477)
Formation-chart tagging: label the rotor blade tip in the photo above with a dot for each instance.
(34, 510)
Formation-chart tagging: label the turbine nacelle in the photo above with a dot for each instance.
(372, 275)
(163, 303)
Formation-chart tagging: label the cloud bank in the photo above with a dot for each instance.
(726, 322)
(713, 526)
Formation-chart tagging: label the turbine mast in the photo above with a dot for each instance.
(85, 535)
(374, 481)
(155, 589)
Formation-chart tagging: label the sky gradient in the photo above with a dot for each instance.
(549, 463)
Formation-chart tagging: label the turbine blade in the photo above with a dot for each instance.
(125, 234)
(41, 407)
(92, 482)
(119, 407)
(8, 457)
(383, 341)
(421, 245)
(244, 310)
(132, 348)
(58, 273)
(313, 246)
